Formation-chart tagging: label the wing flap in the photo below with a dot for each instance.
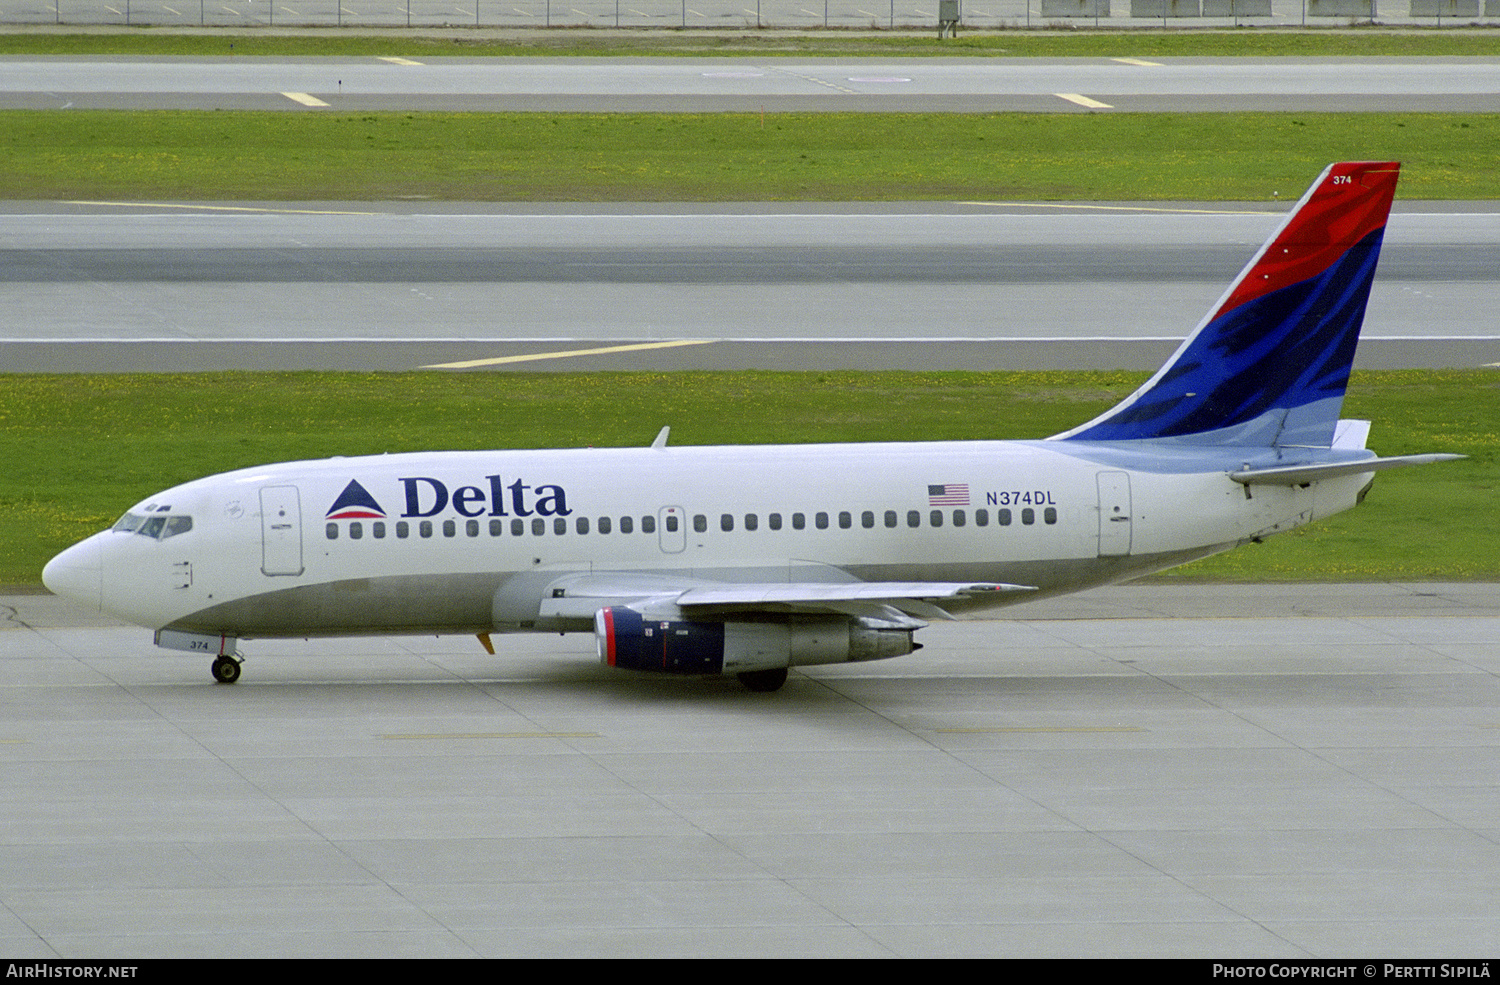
(859, 591)
(580, 596)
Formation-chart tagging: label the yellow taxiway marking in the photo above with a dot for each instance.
(217, 208)
(304, 99)
(1137, 61)
(1083, 101)
(396, 60)
(568, 354)
(1118, 208)
(1047, 728)
(495, 735)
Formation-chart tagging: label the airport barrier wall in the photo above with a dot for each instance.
(744, 14)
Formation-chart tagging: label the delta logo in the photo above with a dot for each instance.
(355, 503)
(425, 496)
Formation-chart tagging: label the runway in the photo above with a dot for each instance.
(776, 85)
(1167, 771)
(971, 285)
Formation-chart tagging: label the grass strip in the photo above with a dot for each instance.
(1366, 42)
(312, 156)
(80, 449)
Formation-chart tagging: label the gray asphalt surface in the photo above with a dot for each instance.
(747, 85)
(1158, 771)
(135, 287)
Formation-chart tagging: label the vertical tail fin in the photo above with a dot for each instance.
(1269, 363)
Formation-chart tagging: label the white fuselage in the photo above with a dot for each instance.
(474, 541)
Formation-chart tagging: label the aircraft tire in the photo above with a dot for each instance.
(764, 680)
(226, 670)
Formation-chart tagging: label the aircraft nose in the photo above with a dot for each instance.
(77, 574)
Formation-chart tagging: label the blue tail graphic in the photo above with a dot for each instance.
(1270, 363)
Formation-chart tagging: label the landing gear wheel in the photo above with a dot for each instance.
(226, 670)
(764, 680)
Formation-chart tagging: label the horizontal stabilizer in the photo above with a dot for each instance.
(1298, 475)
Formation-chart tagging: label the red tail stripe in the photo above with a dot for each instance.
(1338, 213)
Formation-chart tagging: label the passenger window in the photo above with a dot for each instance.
(377, 530)
(913, 519)
(726, 522)
(604, 524)
(471, 528)
(890, 519)
(845, 520)
(331, 531)
(648, 524)
(627, 525)
(449, 528)
(538, 527)
(497, 528)
(1003, 518)
(424, 528)
(774, 521)
(959, 519)
(559, 526)
(403, 530)
(671, 522)
(700, 523)
(356, 530)
(798, 521)
(752, 522)
(1049, 515)
(517, 527)
(583, 524)
(981, 518)
(821, 521)
(937, 518)
(1028, 516)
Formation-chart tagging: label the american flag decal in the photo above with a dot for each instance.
(952, 494)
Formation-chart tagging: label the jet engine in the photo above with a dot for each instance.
(669, 643)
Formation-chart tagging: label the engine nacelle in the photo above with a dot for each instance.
(668, 643)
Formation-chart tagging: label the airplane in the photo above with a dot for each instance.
(750, 560)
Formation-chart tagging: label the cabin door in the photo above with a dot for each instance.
(280, 531)
(1114, 514)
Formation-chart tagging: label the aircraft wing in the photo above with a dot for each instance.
(580, 596)
(1297, 475)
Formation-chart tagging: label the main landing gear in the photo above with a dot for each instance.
(226, 669)
(764, 680)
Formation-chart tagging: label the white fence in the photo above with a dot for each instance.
(746, 14)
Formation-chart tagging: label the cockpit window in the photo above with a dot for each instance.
(157, 527)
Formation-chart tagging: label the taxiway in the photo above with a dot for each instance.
(1163, 770)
